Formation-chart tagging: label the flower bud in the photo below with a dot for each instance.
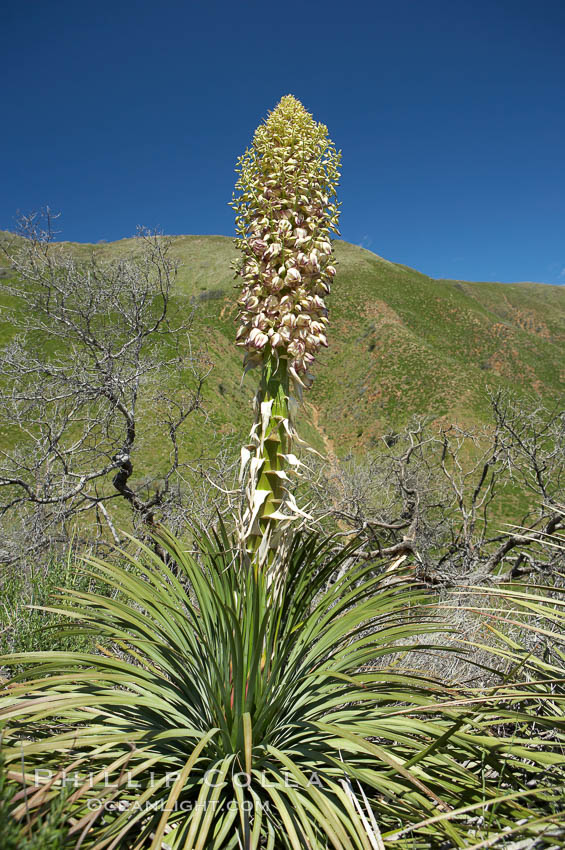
(289, 320)
(313, 262)
(271, 303)
(258, 339)
(272, 251)
(296, 348)
(260, 321)
(258, 246)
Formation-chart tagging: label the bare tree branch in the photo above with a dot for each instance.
(93, 342)
(438, 493)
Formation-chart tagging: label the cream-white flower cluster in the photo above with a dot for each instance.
(286, 210)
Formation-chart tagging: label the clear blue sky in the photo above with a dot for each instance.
(450, 116)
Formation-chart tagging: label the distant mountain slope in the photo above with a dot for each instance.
(401, 344)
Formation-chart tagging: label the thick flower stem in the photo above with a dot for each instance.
(275, 443)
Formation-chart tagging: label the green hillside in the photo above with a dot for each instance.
(401, 343)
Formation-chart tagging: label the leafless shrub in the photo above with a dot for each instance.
(438, 493)
(86, 392)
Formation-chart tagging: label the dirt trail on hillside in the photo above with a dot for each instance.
(328, 443)
(335, 492)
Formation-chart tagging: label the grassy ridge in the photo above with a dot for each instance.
(401, 343)
(410, 344)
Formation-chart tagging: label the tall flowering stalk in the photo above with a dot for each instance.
(286, 210)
